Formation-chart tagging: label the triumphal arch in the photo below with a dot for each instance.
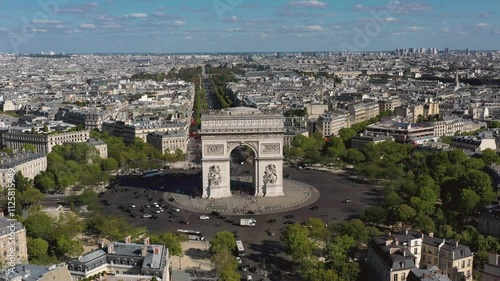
(222, 131)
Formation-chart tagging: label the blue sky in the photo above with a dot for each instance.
(143, 26)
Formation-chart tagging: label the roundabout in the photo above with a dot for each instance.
(297, 195)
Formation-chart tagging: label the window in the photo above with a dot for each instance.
(395, 277)
(415, 251)
(468, 262)
(403, 276)
(463, 264)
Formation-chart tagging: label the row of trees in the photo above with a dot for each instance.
(221, 247)
(71, 164)
(225, 100)
(327, 253)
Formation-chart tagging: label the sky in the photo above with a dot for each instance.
(181, 26)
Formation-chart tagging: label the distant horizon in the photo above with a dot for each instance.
(226, 26)
(46, 53)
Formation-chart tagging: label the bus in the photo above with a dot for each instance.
(151, 173)
(240, 248)
(192, 234)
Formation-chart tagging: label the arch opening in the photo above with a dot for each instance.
(242, 170)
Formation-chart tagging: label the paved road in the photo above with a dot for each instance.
(213, 101)
(261, 247)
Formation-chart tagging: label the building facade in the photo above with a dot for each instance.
(359, 141)
(363, 111)
(168, 141)
(122, 260)
(393, 256)
(330, 123)
(29, 164)
(30, 272)
(473, 143)
(43, 143)
(100, 146)
(491, 270)
(141, 129)
(401, 131)
(13, 247)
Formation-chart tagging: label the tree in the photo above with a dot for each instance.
(172, 242)
(109, 164)
(375, 214)
(347, 134)
(405, 213)
(355, 228)
(21, 183)
(30, 196)
(37, 248)
(489, 156)
(469, 200)
(225, 265)
(45, 181)
(480, 183)
(222, 241)
(317, 229)
(296, 239)
(67, 246)
(354, 156)
(40, 225)
(29, 147)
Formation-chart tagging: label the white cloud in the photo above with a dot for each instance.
(232, 19)
(179, 23)
(137, 15)
(415, 28)
(307, 4)
(189, 37)
(483, 25)
(445, 30)
(46, 21)
(391, 19)
(313, 28)
(111, 25)
(87, 26)
(39, 30)
(359, 7)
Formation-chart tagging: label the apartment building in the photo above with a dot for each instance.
(30, 272)
(168, 141)
(491, 269)
(124, 261)
(489, 220)
(13, 247)
(330, 123)
(409, 112)
(401, 131)
(363, 111)
(29, 164)
(43, 142)
(100, 146)
(389, 104)
(473, 143)
(141, 129)
(359, 141)
(451, 125)
(393, 256)
(88, 118)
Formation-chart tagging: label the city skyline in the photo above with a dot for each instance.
(153, 26)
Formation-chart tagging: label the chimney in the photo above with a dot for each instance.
(111, 248)
(146, 241)
(456, 244)
(128, 239)
(404, 253)
(431, 234)
(423, 235)
(157, 251)
(144, 251)
(406, 231)
(101, 244)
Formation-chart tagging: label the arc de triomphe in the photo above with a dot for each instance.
(222, 131)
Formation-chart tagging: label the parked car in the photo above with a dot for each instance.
(203, 217)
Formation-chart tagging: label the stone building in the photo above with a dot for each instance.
(124, 260)
(168, 141)
(491, 269)
(393, 256)
(141, 129)
(100, 146)
(330, 123)
(363, 111)
(13, 247)
(43, 142)
(359, 141)
(29, 164)
(30, 272)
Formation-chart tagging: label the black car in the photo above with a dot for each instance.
(214, 213)
(250, 212)
(271, 220)
(314, 208)
(289, 222)
(288, 216)
(154, 217)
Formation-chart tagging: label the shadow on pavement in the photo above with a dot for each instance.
(197, 254)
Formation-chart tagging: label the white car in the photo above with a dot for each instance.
(147, 216)
(238, 259)
(131, 206)
(176, 209)
(204, 217)
(249, 278)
